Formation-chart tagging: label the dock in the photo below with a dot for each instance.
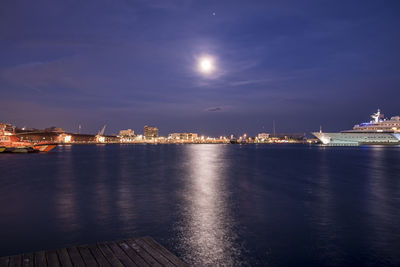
(143, 251)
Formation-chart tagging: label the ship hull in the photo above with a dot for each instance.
(357, 138)
(29, 149)
(44, 147)
(20, 150)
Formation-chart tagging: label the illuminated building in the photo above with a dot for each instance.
(263, 136)
(150, 132)
(64, 138)
(127, 133)
(127, 136)
(183, 136)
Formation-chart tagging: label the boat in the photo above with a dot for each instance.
(377, 131)
(12, 144)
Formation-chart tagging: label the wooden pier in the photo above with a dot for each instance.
(130, 252)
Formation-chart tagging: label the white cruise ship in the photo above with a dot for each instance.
(377, 131)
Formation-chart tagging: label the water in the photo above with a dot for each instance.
(209, 204)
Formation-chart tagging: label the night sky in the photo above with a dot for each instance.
(129, 63)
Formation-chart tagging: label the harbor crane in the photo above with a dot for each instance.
(99, 137)
(101, 132)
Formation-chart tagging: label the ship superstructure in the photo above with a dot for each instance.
(379, 124)
(377, 131)
(10, 142)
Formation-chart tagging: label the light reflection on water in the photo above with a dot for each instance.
(65, 199)
(125, 195)
(209, 204)
(384, 191)
(323, 218)
(101, 194)
(206, 232)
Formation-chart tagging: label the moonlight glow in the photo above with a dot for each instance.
(206, 65)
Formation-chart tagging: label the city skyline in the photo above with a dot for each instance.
(208, 67)
(153, 132)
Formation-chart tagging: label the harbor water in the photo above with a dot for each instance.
(230, 205)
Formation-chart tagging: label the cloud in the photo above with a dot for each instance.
(214, 109)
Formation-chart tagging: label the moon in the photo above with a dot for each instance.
(206, 65)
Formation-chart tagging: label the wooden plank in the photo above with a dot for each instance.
(40, 259)
(75, 257)
(134, 255)
(143, 253)
(109, 255)
(4, 261)
(121, 255)
(155, 253)
(101, 260)
(15, 261)
(52, 258)
(27, 260)
(87, 256)
(64, 257)
(171, 257)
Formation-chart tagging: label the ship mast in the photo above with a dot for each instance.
(376, 116)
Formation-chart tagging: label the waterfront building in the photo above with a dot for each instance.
(126, 133)
(263, 136)
(107, 139)
(139, 137)
(83, 138)
(38, 136)
(150, 132)
(64, 138)
(111, 139)
(291, 136)
(126, 136)
(183, 136)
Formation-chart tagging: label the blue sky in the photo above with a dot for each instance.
(130, 63)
